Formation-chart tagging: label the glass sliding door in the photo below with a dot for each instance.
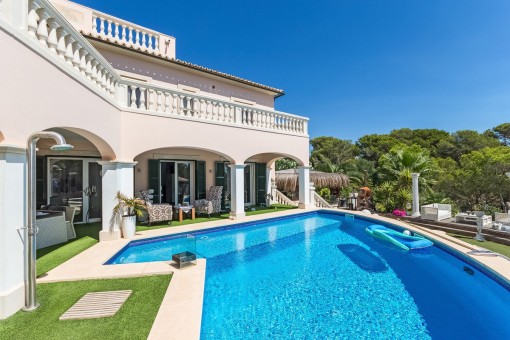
(94, 192)
(183, 184)
(176, 182)
(66, 184)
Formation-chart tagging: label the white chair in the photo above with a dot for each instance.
(69, 215)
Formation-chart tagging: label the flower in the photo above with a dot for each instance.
(399, 212)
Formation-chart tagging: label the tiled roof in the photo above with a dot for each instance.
(278, 92)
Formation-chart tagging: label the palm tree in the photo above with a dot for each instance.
(397, 166)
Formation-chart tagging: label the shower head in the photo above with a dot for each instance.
(61, 147)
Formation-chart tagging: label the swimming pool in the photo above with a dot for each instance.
(320, 275)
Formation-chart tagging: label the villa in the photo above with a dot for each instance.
(138, 117)
(97, 109)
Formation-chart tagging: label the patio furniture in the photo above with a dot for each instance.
(184, 209)
(51, 226)
(436, 211)
(503, 218)
(486, 220)
(212, 202)
(69, 215)
(156, 212)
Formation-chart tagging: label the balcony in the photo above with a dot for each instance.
(50, 33)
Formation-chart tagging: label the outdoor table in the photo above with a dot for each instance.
(186, 209)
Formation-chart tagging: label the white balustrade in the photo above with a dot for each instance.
(54, 33)
(177, 103)
(280, 198)
(116, 30)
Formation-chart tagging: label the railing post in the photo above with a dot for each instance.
(121, 94)
(238, 115)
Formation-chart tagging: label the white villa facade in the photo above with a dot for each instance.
(138, 119)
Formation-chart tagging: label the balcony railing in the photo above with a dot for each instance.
(110, 28)
(151, 98)
(65, 46)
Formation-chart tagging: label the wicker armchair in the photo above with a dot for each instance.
(156, 212)
(212, 202)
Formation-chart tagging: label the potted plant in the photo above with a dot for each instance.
(127, 209)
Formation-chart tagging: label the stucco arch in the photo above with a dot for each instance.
(270, 157)
(183, 148)
(103, 147)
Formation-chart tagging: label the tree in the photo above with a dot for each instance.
(372, 147)
(334, 150)
(480, 183)
(397, 166)
(463, 142)
(285, 163)
(502, 132)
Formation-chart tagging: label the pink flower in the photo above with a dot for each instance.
(398, 212)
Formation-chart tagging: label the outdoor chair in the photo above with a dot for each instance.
(212, 202)
(156, 212)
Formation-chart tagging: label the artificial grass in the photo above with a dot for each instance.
(215, 217)
(495, 247)
(57, 256)
(133, 321)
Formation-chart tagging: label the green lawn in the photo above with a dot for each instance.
(495, 247)
(215, 217)
(133, 321)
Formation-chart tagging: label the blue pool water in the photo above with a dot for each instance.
(321, 276)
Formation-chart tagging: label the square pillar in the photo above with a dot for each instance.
(270, 185)
(237, 191)
(13, 172)
(416, 195)
(116, 176)
(304, 187)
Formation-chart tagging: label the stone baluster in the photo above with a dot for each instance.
(201, 108)
(109, 33)
(159, 107)
(156, 44)
(142, 98)
(117, 31)
(208, 109)
(101, 27)
(137, 38)
(150, 99)
(133, 96)
(196, 107)
(271, 121)
(32, 19)
(243, 114)
(226, 113)
(83, 62)
(61, 42)
(150, 44)
(52, 35)
(69, 50)
(143, 40)
(130, 38)
(220, 112)
(174, 103)
(94, 25)
(42, 28)
(76, 56)
(123, 33)
(232, 114)
(93, 72)
(88, 68)
(167, 102)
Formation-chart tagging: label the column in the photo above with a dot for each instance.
(270, 185)
(237, 191)
(117, 176)
(304, 187)
(13, 217)
(416, 195)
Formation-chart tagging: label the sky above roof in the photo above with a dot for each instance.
(354, 67)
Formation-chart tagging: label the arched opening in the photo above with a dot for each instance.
(182, 175)
(71, 181)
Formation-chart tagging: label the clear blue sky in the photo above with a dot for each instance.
(354, 67)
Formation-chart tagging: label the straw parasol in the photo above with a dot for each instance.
(287, 180)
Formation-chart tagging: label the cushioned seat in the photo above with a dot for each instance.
(157, 212)
(212, 202)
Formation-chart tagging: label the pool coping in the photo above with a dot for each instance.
(186, 288)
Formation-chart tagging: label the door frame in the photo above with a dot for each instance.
(192, 164)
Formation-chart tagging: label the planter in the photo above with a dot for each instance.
(128, 226)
